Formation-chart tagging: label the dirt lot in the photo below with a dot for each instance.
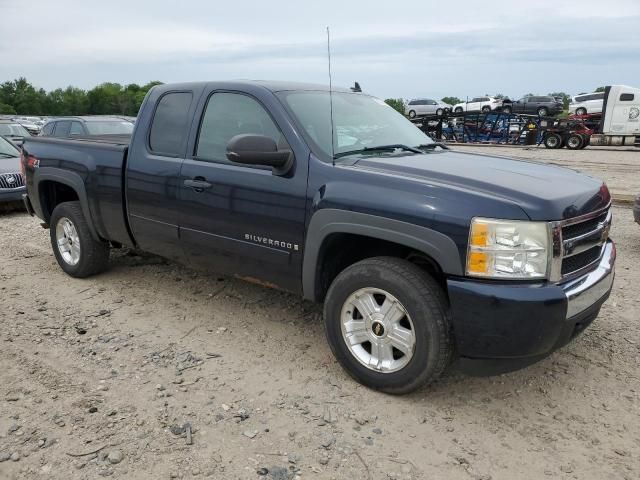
(101, 376)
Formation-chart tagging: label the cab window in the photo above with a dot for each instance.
(227, 115)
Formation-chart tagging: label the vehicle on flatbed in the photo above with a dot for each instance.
(420, 254)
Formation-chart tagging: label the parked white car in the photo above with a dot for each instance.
(478, 104)
(425, 106)
(586, 103)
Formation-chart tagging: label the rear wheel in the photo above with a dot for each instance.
(439, 112)
(77, 252)
(574, 142)
(553, 140)
(486, 109)
(388, 325)
(412, 114)
(458, 110)
(586, 139)
(581, 111)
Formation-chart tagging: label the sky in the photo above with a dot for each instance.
(398, 49)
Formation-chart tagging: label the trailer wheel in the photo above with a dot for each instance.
(553, 140)
(574, 142)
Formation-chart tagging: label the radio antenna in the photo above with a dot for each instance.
(333, 146)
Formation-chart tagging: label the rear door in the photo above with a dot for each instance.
(153, 172)
(237, 219)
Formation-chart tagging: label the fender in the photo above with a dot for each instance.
(325, 222)
(71, 179)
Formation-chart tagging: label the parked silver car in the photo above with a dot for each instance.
(11, 180)
(419, 107)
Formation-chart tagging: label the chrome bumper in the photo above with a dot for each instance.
(586, 290)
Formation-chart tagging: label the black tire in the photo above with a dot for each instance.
(553, 140)
(412, 114)
(94, 254)
(581, 111)
(486, 109)
(574, 141)
(439, 112)
(586, 139)
(543, 112)
(424, 301)
(506, 109)
(458, 110)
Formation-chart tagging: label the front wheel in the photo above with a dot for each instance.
(486, 109)
(440, 112)
(458, 110)
(581, 111)
(543, 112)
(388, 324)
(77, 252)
(412, 114)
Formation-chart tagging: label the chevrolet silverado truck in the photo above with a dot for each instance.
(421, 255)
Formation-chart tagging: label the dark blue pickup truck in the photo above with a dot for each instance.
(421, 255)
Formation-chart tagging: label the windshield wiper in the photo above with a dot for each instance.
(379, 148)
(432, 146)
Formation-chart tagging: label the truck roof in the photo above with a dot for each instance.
(273, 86)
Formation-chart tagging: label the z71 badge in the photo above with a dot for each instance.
(271, 242)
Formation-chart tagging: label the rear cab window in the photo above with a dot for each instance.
(170, 124)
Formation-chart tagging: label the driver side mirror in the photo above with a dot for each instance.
(250, 149)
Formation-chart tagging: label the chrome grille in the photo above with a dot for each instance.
(579, 243)
(11, 180)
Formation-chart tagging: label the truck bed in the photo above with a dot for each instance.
(97, 163)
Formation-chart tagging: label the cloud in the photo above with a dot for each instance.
(400, 50)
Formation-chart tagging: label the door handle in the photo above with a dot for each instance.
(198, 184)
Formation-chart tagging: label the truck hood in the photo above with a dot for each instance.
(544, 192)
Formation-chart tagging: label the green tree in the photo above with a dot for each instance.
(4, 108)
(566, 98)
(451, 100)
(397, 104)
(599, 89)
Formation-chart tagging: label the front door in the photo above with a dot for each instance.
(237, 219)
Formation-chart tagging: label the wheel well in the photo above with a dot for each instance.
(54, 193)
(340, 250)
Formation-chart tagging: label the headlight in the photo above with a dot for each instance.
(508, 249)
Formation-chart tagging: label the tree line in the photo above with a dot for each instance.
(19, 97)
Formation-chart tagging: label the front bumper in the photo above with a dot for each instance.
(12, 195)
(501, 327)
(636, 210)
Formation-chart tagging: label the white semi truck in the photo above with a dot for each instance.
(620, 123)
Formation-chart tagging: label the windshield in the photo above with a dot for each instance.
(109, 127)
(360, 122)
(7, 148)
(14, 130)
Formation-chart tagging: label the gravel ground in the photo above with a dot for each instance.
(619, 167)
(154, 371)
